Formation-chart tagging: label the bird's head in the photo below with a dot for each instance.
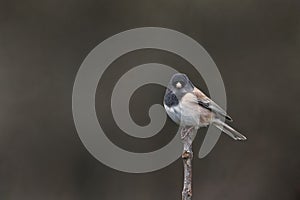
(180, 84)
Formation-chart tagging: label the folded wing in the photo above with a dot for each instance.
(207, 103)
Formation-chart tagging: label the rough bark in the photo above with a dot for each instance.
(187, 156)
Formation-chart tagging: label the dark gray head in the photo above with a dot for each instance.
(180, 84)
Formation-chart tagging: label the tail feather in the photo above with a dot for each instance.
(229, 130)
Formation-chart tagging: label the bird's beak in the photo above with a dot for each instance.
(178, 85)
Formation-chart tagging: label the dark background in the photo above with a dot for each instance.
(255, 44)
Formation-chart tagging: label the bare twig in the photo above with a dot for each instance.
(187, 156)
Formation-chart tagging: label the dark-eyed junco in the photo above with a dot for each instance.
(187, 106)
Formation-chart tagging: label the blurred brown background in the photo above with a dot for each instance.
(255, 44)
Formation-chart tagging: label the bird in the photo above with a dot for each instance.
(188, 106)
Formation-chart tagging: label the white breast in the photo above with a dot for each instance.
(187, 112)
(190, 115)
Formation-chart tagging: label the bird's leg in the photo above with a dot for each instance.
(185, 132)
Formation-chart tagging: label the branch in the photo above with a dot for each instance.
(187, 156)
